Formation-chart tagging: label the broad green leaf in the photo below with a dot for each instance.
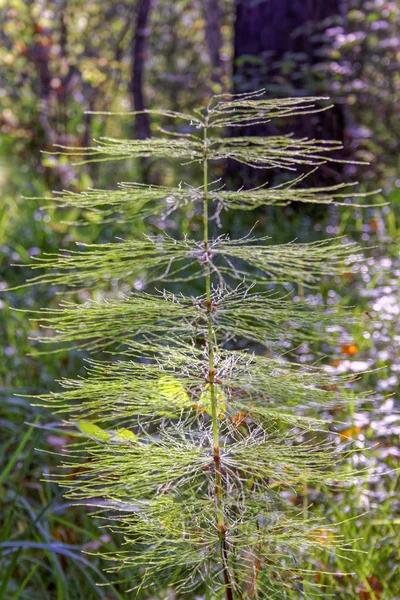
(93, 431)
(124, 436)
(173, 390)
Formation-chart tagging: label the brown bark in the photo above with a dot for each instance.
(139, 51)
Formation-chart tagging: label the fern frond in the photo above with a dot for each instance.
(164, 258)
(301, 263)
(251, 109)
(104, 264)
(172, 383)
(134, 201)
(130, 202)
(283, 152)
(262, 317)
(285, 193)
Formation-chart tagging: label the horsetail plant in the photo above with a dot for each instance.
(192, 448)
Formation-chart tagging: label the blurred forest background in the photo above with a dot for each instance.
(60, 58)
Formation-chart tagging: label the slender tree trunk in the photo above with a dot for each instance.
(269, 25)
(213, 19)
(40, 55)
(268, 32)
(139, 51)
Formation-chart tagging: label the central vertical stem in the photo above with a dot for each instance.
(218, 493)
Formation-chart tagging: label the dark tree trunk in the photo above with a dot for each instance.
(213, 18)
(139, 51)
(40, 55)
(268, 25)
(268, 32)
